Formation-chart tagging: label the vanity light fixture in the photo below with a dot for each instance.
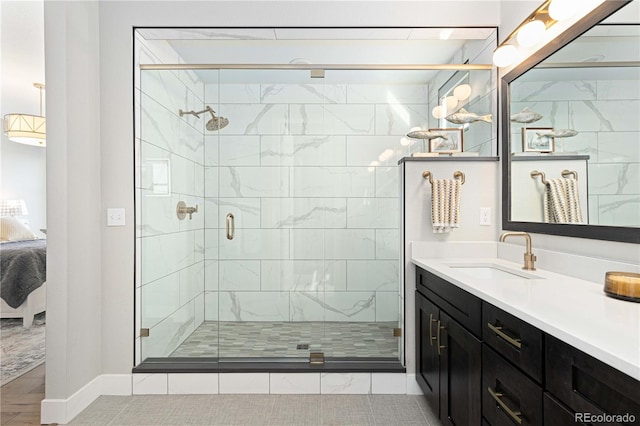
(26, 128)
(529, 33)
(562, 9)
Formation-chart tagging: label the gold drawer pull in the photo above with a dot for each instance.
(440, 328)
(431, 321)
(515, 415)
(498, 330)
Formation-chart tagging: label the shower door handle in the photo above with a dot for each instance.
(231, 226)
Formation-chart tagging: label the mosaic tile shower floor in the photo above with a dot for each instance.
(281, 339)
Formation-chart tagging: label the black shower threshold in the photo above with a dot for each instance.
(268, 365)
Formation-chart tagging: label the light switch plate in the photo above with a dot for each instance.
(115, 217)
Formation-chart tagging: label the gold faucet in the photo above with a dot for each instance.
(529, 257)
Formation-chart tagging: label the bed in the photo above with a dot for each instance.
(22, 279)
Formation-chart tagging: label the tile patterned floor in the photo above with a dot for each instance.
(248, 410)
(280, 339)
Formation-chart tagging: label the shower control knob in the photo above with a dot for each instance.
(182, 210)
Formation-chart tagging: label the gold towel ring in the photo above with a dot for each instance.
(535, 174)
(456, 175)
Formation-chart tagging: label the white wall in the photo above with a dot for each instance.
(22, 167)
(89, 70)
(74, 291)
(480, 178)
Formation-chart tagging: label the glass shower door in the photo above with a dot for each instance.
(270, 256)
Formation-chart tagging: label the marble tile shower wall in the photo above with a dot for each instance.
(605, 113)
(171, 152)
(310, 173)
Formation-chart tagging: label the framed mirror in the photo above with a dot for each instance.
(571, 131)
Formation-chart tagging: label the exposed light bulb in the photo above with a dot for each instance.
(437, 112)
(563, 9)
(450, 102)
(505, 55)
(462, 92)
(531, 33)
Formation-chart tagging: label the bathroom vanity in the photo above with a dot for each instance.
(494, 346)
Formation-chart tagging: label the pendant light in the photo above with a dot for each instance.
(26, 128)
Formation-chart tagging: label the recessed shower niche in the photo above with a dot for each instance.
(289, 250)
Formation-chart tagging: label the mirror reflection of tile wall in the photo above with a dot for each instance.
(603, 107)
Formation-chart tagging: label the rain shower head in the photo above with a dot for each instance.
(216, 123)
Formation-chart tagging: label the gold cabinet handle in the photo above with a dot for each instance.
(440, 328)
(231, 226)
(498, 330)
(431, 321)
(515, 415)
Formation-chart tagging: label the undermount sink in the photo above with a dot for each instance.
(487, 271)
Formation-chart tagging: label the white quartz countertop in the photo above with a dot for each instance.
(573, 310)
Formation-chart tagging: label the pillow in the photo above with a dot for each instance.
(11, 229)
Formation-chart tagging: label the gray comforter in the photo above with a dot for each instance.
(23, 268)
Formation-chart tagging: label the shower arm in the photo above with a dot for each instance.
(197, 114)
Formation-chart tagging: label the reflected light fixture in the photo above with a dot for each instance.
(529, 33)
(462, 92)
(26, 128)
(437, 112)
(450, 102)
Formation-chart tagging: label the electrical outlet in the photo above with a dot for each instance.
(485, 216)
(115, 217)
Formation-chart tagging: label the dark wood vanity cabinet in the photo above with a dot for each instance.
(587, 385)
(448, 356)
(478, 364)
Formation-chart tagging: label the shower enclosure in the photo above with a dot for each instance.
(268, 208)
(294, 246)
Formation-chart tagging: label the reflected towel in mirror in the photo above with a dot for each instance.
(562, 201)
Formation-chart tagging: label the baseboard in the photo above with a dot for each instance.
(62, 411)
(116, 384)
(412, 385)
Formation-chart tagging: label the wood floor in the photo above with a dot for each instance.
(20, 399)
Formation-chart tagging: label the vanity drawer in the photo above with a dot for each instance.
(462, 306)
(514, 339)
(556, 414)
(508, 396)
(587, 385)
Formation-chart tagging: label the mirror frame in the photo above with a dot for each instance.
(597, 232)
